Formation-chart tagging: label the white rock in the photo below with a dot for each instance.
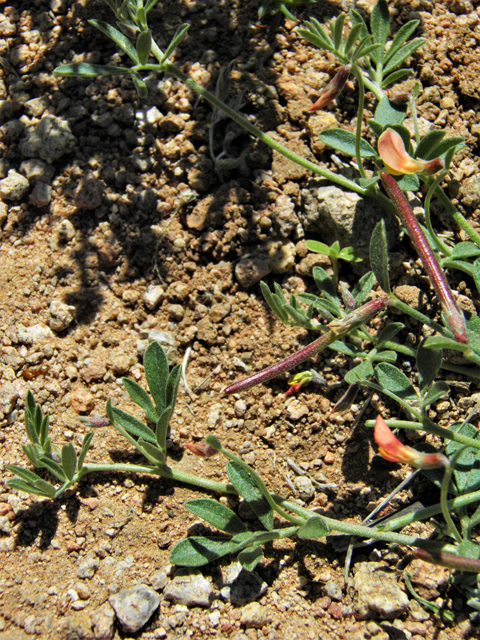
(152, 296)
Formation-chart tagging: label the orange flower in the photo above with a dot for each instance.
(390, 448)
(391, 150)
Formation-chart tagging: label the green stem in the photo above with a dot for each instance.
(261, 485)
(447, 476)
(430, 427)
(457, 216)
(358, 132)
(428, 512)
(417, 315)
(393, 396)
(164, 472)
(258, 133)
(441, 246)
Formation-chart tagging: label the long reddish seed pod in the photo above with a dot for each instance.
(453, 316)
(336, 329)
(332, 90)
(448, 560)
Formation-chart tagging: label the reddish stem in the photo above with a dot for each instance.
(336, 330)
(437, 277)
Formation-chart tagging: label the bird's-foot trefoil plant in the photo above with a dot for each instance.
(56, 470)
(388, 162)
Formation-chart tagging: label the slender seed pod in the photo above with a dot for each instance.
(336, 329)
(453, 315)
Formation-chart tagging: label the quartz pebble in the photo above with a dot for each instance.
(61, 315)
(189, 588)
(304, 487)
(152, 296)
(41, 195)
(241, 586)
(253, 615)
(14, 186)
(103, 620)
(50, 140)
(135, 606)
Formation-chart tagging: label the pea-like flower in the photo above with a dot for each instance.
(390, 448)
(202, 450)
(397, 161)
(332, 90)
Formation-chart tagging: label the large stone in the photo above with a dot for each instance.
(335, 214)
(377, 593)
(50, 140)
(134, 606)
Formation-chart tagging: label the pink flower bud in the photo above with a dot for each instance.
(398, 97)
(390, 448)
(391, 150)
(202, 450)
(332, 90)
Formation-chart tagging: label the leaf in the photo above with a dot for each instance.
(153, 453)
(328, 310)
(467, 469)
(428, 143)
(87, 439)
(436, 391)
(376, 127)
(247, 487)
(444, 146)
(20, 485)
(144, 45)
(216, 514)
(24, 474)
(122, 41)
(344, 141)
(352, 37)
(325, 285)
(476, 274)
(140, 86)
(428, 364)
(387, 114)
(156, 373)
(197, 550)
(385, 356)
(379, 256)
(314, 527)
(318, 247)
(132, 425)
(172, 386)
(347, 349)
(395, 76)
(87, 70)
(177, 38)
(402, 54)
(33, 452)
(473, 330)
(337, 30)
(464, 250)
(368, 182)
(47, 488)
(53, 467)
(250, 557)
(275, 302)
(356, 18)
(141, 398)
(363, 288)
(400, 38)
(442, 342)
(361, 372)
(409, 182)
(391, 378)
(389, 332)
(350, 254)
(69, 460)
